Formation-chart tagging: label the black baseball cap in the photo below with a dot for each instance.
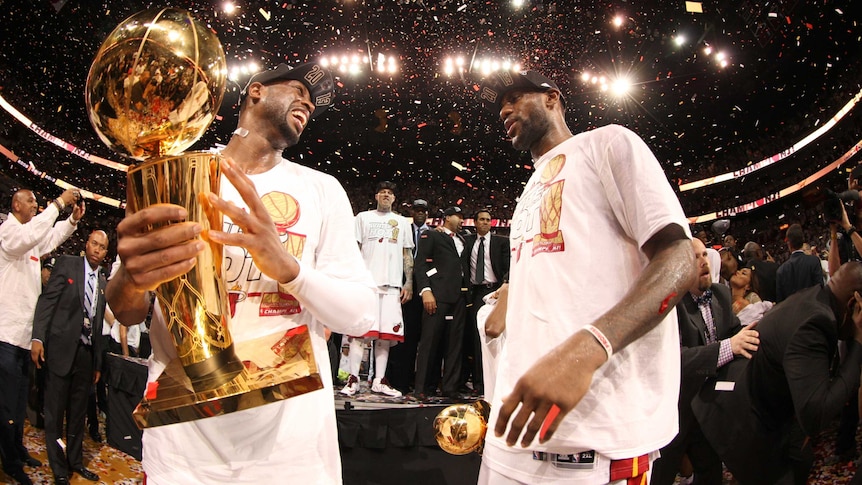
(420, 204)
(454, 210)
(316, 78)
(385, 185)
(499, 83)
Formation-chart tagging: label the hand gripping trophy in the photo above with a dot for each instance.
(152, 91)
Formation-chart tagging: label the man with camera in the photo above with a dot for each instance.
(24, 237)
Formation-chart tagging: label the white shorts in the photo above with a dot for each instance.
(390, 323)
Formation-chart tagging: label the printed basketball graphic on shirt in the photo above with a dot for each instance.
(383, 231)
(537, 215)
(283, 209)
(552, 169)
(550, 238)
(393, 238)
(241, 272)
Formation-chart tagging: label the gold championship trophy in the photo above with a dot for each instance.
(153, 89)
(460, 428)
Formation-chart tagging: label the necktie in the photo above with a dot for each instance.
(706, 311)
(480, 262)
(89, 296)
(416, 240)
(704, 299)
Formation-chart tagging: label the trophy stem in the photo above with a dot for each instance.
(215, 371)
(195, 304)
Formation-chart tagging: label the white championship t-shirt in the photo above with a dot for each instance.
(591, 204)
(293, 440)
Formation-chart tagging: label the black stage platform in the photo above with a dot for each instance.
(383, 440)
(391, 441)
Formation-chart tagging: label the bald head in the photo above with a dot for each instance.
(846, 280)
(24, 205)
(751, 251)
(96, 248)
(843, 284)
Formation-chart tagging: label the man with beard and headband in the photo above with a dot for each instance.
(587, 383)
(386, 246)
(289, 249)
(710, 337)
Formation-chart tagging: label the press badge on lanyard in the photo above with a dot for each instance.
(585, 460)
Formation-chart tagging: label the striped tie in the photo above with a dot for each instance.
(88, 302)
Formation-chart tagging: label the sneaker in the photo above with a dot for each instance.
(383, 387)
(352, 386)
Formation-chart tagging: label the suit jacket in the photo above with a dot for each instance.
(499, 254)
(59, 315)
(792, 381)
(797, 273)
(699, 359)
(766, 273)
(439, 266)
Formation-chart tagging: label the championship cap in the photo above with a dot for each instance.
(420, 203)
(499, 83)
(454, 210)
(316, 78)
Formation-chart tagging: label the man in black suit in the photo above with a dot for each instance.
(488, 264)
(710, 336)
(441, 276)
(402, 358)
(761, 420)
(66, 327)
(765, 270)
(800, 271)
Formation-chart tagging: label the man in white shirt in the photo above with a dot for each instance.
(386, 249)
(24, 238)
(587, 383)
(289, 251)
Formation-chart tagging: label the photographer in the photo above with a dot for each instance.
(844, 245)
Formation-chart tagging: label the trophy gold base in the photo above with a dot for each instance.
(274, 369)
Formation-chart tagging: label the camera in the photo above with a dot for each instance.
(79, 199)
(832, 207)
(832, 204)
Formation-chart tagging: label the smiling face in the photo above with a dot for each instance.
(525, 117)
(453, 222)
(287, 105)
(24, 206)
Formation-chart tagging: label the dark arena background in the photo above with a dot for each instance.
(749, 105)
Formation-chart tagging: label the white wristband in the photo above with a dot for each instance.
(600, 337)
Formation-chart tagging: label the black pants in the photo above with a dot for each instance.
(472, 363)
(442, 331)
(704, 459)
(401, 369)
(67, 396)
(14, 364)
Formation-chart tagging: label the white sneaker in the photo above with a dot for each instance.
(352, 386)
(383, 387)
